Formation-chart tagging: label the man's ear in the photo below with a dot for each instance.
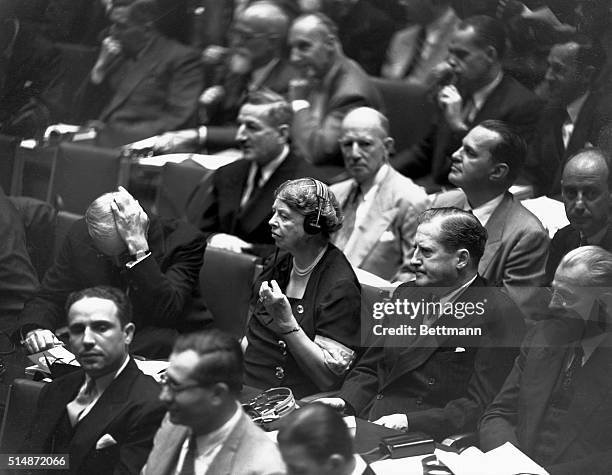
(463, 258)
(284, 132)
(491, 53)
(389, 144)
(499, 171)
(129, 332)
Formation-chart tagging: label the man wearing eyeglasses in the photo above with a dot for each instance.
(254, 60)
(586, 188)
(380, 205)
(104, 416)
(555, 405)
(205, 430)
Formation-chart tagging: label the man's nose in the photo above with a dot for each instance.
(165, 394)
(88, 337)
(295, 55)
(240, 133)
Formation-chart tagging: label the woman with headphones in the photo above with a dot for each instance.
(305, 319)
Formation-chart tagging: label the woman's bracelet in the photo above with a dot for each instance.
(293, 330)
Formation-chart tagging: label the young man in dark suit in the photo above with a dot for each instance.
(104, 415)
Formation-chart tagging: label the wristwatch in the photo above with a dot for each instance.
(140, 255)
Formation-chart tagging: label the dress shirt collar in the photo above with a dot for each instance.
(269, 168)
(103, 382)
(454, 295)
(484, 211)
(590, 344)
(481, 95)
(216, 438)
(574, 108)
(372, 188)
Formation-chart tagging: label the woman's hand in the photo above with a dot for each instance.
(278, 307)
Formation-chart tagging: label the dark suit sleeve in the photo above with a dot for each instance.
(498, 424)
(162, 294)
(46, 309)
(415, 162)
(202, 209)
(492, 364)
(134, 450)
(361, 384)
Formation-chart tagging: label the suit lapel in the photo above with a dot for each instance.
(223, 462)
(593, 386)
(165, 455)
(495, 232)
(138, 70)
(94, 424)
(581, 132)
(260, 203)
(380, 214)
(54, 408)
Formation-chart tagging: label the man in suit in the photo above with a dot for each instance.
(156, 261)
(316, 440)
(233, 205)
(328, 86)
(586, 189)
(576, 114)
(436, 367)
(105, 414)
(472, 88)
(414, 51)
(206, 430)
(380, 206)
(555, 404)
(142, 83)
(256, 59)
(484, 167)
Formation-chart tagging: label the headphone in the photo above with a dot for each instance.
(312, 221)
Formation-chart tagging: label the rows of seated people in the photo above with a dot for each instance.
(440, 223)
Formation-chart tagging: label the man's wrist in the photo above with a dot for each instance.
(202, 132)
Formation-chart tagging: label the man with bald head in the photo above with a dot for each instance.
(380, 205)
(586, 189)
(329, 86)
(256, 59)
(156, 262)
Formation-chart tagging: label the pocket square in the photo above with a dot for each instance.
(459, 349)
(105, 441)
(387, 236)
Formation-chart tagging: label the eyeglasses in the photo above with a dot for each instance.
(173, 387)
(245, 36)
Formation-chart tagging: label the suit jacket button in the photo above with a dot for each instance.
(431, 381)
(379, 396)
(300, 309)
(419, 401)
(279, 372)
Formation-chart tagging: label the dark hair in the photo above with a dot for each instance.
(458, 229)
(301, 196)
(143, 12)
(489, 32)
(279, 111)
(118, 297)
(511, 148)
(599, 153)
(220, 355)
(320, 430)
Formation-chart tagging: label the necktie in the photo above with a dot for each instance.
(251, 187)
(583, 240)
(84, 398)
(431, 312)
(188, 467)
(348, 224)
(469, 110)
(418, 51)
(566, 130)
(574, 364)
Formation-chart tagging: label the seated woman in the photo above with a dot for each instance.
(305, 321)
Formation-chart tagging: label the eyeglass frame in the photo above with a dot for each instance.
(172, 386)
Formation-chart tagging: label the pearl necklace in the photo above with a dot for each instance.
(304, 272)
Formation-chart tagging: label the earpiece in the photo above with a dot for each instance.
(312, 221)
